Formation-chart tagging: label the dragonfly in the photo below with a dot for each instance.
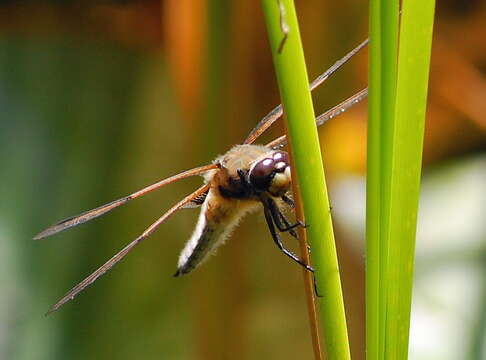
(245, 178)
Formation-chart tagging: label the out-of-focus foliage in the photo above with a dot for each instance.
(100, 99)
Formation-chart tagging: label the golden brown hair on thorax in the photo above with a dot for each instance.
(248, 171)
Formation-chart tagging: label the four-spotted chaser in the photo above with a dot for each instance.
(238, 182)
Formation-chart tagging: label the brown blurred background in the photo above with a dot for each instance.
(99, 99)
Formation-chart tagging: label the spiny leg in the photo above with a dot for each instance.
(287, 224)
(276, 238)
(288, 201)
(241, 189)
(291, 204)
(243, 179)
(278, 218)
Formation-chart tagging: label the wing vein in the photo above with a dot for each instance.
(328, 115)
(103, 209)
(121, 254)
(277, 112)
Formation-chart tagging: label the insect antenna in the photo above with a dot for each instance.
(121, 254)
(103, 209)
(277, 112)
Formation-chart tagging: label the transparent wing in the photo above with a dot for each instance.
(277, 112)
(103, 209)
(121, 254)
(328, 115)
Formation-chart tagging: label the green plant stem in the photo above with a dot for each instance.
(383, 72)
(383, 59)
(373, 188)
(389, 44)
(411, 99)
(398, 92)
(293, 83)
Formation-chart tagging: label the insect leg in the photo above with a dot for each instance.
(287, 224)
(242, 188)
(288, 201)
(278, 218)
(244, 179)
(291, 204)
(277, 240)
(292, 232)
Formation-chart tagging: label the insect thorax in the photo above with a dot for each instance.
(244, 185)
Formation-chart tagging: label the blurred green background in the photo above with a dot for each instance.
(100, 99)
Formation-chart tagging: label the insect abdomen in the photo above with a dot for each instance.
(196, 250)
(216, 221)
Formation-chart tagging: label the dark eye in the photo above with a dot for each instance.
(281, 160)
(262, 173)
(281, 156)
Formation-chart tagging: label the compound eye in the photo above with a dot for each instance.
(281, 160)
(281, 156)
(262, 173)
